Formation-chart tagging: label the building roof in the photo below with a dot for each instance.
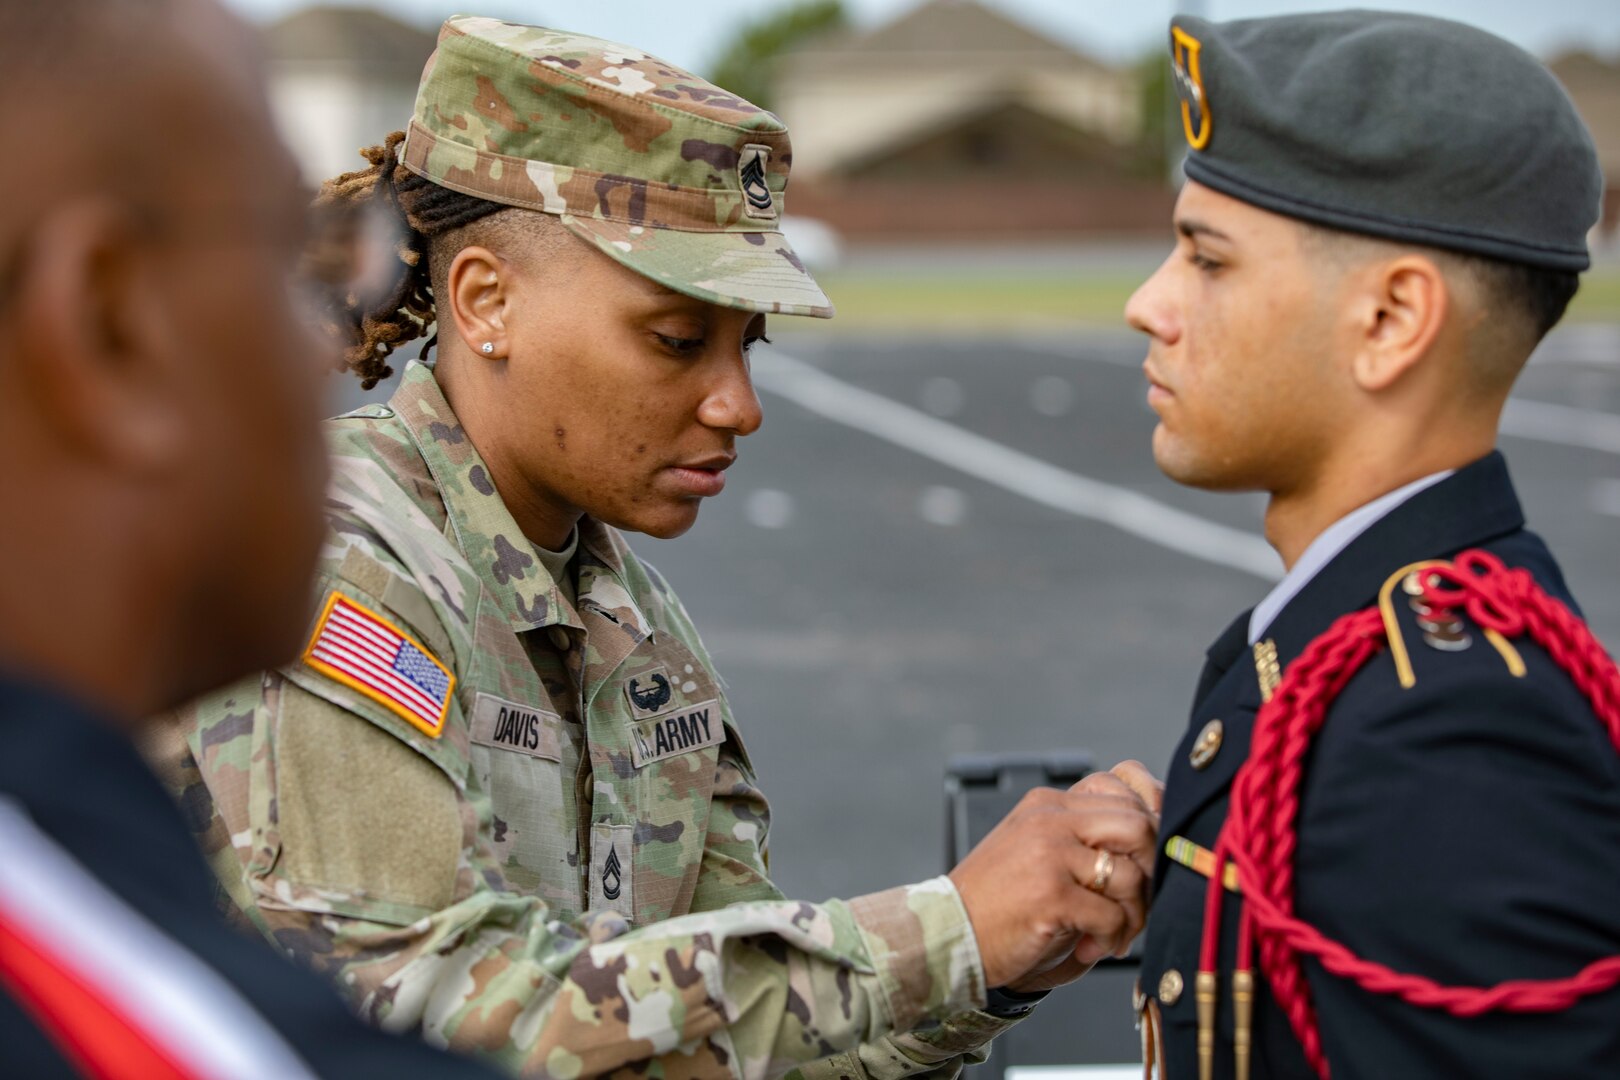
(352, 38)
(938, 32)
(1593, 83)
(975, 137)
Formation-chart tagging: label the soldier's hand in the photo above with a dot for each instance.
(1026, 884)
(1068, 969)
(1135, 775)
(1130, 781)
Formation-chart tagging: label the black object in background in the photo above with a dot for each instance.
(1088, 1022)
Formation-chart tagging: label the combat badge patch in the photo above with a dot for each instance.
(364, 651)
(511, 725)
(757, 202)
(1195, 119)
(679, 731)
(649, 692)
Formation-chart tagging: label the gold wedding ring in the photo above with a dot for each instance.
(1104, 870)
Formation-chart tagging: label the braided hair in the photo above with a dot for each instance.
(372, 323)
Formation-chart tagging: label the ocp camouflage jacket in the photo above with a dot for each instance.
(516, 823)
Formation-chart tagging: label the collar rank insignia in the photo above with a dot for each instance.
(1189, 80)
(1266, 668)
(364, 651)
(757, 201)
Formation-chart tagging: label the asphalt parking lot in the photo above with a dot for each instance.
(921, 554)
(949, 545)
(875, 610)
(914, 558)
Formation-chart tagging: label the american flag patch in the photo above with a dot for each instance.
(364, 651)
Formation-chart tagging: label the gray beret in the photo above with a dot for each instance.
(1399, 126)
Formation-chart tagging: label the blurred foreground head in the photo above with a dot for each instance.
(159, 444)
(1383, 215)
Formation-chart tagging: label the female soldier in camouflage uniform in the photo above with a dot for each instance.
(504, 744)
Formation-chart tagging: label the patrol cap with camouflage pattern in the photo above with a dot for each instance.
(1400, 126)
(670, 175)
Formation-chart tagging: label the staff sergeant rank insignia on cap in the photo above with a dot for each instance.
(661, 171)
(1195, 120)
(757, 202)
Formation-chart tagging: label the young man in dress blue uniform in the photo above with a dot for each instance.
(1383, 215)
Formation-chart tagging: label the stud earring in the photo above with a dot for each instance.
(487, 348)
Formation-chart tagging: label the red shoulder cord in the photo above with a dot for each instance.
(1259, 831)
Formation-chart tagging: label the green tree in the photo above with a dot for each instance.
(1161, 122)
(747, 66)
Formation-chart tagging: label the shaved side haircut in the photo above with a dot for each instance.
(431, 224)
(1521, 303)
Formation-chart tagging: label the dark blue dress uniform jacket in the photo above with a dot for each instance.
(1466, 829)
(82, 784)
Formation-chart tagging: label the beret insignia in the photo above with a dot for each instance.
(1195, 119)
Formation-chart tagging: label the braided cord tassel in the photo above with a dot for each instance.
(1260, 837)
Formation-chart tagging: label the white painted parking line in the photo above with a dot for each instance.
(984, 459)
(1604, 497)
(943, 506)
(1562, 424)
(943, 396)
(1539, 421)
(1110, 346)
(769, 508)
(1581, 343)
(1052, 395)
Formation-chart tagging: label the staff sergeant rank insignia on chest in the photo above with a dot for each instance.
(612, 875)
(679, 731)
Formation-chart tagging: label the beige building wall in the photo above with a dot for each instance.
(838, 115)
(341, 79)
(847, 97)
(326, 114)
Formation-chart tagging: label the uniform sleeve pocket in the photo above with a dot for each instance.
(365, 825)
(380, 671)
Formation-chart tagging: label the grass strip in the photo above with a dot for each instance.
(992, 301)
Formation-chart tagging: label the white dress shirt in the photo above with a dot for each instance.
(1334, 539)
